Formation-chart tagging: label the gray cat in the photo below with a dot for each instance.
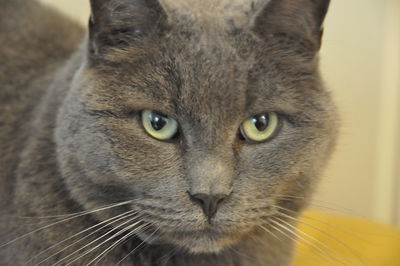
(178, 132)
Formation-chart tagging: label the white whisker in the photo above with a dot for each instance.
(170, 254)
(75, 213)
(270, 232)
(312, 238)
(320, 250)
(285, 234)
(147, 238)
(318, 203)
(353, 251)
(104, 242)
(119, 242)
(97, 239)
(63, 221)
(321, 222)
(106, 223)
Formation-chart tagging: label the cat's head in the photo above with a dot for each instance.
(209, 115)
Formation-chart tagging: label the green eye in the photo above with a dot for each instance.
(158, 125)
(260, 127)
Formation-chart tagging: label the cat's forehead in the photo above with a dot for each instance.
(189, 67)
(260, 72)
(213, 70)
(214, 74)
(228, 13)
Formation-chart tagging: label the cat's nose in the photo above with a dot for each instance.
(209, 203)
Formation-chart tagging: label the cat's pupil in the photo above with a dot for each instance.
(261, 122)
(157, 121)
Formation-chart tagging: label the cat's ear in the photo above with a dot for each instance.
(115, 23)
(302, 18)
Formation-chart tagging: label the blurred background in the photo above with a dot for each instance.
(360, 62)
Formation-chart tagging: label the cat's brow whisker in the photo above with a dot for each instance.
(105, 224)
(97, 239)
(306, 241)
(99, 257)
(138, 246)
(323, 245)
(63, 221)
(353, 251)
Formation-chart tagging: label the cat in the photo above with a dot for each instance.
(171, 132)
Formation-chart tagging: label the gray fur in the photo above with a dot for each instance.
(71, 139)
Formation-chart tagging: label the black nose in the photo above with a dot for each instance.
(209, 203)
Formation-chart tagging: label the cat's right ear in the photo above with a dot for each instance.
(119, 23)
(301, 19)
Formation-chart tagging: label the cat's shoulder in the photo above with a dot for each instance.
(33, 35)
(35, 41)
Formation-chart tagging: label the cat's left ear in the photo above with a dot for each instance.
(115, 23)
(303, 18)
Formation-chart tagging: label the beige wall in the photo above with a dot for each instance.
(360, 63)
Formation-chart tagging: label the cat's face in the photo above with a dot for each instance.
(209, 80)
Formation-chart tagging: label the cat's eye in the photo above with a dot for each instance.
(159, 126)
(260, 127)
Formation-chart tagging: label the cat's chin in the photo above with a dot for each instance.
(206, 245)
(201, 243)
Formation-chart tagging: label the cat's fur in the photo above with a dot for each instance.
(71, 139)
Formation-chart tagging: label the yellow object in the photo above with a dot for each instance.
(326, 240)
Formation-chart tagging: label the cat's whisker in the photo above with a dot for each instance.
(353, 251)
(304, 240)
(63, 221)
(285, 234)
(105, 207)
(318, 203)
(320, 222)
(171, 253)
(121, 241)
(97, 239)
(99, 257)
(138, 246)
(241, 254)
(294, 239)
(322, 245)
(105, 224)
(119, 233)
(270, 232)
